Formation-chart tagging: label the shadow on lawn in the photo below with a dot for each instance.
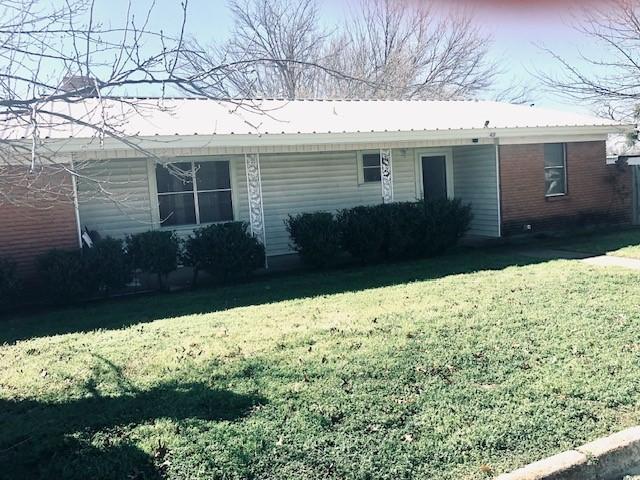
(54, 440)
(124, 312)
(598, 243)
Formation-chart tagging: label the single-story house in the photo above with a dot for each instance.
(521, 168)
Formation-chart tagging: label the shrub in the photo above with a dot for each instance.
(154, 252)
(402, 230)
(445, 222)
(9, 284)
(226, 251)
(107, 265)
(361, 233)
(315, 237)
(63, 276)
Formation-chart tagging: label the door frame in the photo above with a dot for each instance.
(447, 153)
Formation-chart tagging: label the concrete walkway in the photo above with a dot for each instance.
(589, 258)
(552, 254)
(611, 261)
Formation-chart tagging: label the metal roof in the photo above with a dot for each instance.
(149, 117)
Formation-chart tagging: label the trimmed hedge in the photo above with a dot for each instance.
(154, 252)
(71, 275)
(63, 276)
(445, 222)
(315, 237)
(9, 283)
(379, 233)
(107, 264)
(402, 230)
(362, 233)
(226, 251)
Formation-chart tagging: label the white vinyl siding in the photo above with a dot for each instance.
(130, 206)
(327, 181)
(120, 204)
(404, 176)
(239, 187)
(291, 183)
(474, 177)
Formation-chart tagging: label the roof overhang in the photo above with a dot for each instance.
(303, 142)
(627, 159)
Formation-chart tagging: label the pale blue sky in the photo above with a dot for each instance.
(516, 32)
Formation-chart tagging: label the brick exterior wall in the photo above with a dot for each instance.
(31, 225)
(596, 192)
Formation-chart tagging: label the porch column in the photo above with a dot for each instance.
(386, 175)
(254, 191)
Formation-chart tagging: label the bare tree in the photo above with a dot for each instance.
(405, 50)
(610, 80)
(517, 92)
(278, 43)
(387, 49)
(53, 58)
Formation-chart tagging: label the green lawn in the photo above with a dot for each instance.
(623, 243)
(459, 367)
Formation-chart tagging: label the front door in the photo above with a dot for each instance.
(434, 177)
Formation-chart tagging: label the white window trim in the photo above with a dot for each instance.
(154, 195)
(360, 165)
(564, 168)
(447, 153)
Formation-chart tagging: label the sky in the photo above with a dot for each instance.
(519, 29)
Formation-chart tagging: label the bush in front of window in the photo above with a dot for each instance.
(154, 252)
(67, 276)
(107, 265)
(226, 251)
(402, 230)
(315, 236)
(63, 276)
(9, 283)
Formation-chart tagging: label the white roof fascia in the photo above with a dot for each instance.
(246, 143)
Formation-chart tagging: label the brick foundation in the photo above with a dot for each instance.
(596, 192)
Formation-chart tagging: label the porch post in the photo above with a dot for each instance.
(254, 191)
(386, 175)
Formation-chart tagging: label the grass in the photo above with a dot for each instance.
(460, 367)
(623, 243)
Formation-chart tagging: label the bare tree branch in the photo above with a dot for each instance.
(610, 80)
(387, 49)
(407, 51)
(61, 54)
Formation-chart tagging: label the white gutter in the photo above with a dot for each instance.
(252, 143)
(168, 147)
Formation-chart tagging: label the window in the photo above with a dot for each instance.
(371, 167)
(555, 169)
(200, 193)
